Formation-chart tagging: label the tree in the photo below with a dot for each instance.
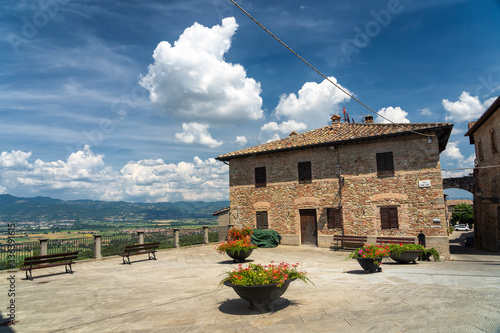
(462, 213)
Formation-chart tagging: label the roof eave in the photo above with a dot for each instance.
(443, 137)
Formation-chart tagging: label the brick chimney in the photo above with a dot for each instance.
(335, 119)
(368, 119)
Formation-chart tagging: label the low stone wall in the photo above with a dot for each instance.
(293, 240)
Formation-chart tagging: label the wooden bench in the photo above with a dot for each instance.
(395, 240)
(347, 241)
(50, 260)
(133, 250)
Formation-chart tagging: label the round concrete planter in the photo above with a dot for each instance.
(263, 295)
(405, 257)
(370, 265)
(239, 256)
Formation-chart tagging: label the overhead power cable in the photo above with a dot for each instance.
(316, 70)
(482, 167)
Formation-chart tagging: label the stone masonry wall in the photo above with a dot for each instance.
(486, 210)
(362, 193)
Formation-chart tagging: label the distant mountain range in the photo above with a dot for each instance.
(39, 209)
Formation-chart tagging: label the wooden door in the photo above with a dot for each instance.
(308, 227)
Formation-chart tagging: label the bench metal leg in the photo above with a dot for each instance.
(154, 256)
(30, 276)
(70, 270)
(126, 261)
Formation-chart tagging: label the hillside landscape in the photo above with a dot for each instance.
(45, 209)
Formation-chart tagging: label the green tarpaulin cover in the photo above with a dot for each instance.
(265, 238)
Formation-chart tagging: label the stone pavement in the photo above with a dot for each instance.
(179, 293)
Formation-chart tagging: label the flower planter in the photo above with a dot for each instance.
(370, 265)
(239, 256)
(405, 257)
(264, 294)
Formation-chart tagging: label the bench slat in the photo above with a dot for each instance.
(46, 265)
(141, 246)
(35, 261)
(349, 241)
(65, 254)
(392, 240)
(136, 253)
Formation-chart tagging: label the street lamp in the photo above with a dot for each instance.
(338, 170)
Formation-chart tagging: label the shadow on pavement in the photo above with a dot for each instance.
(239, 307)
(458, 248)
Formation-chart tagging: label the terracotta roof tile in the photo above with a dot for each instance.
(337, 133)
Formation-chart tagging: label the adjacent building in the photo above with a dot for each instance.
(222, 222)
(485, 135)
(345, 178)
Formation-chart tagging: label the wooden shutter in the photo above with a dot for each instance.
(480, 150)
(334, 219)
(260, 177)
(262, 220)
(389, 217)
(385, 164)
(494, 148)
(305, 174)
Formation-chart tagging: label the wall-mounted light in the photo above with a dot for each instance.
(479, 193)
(429, 139)
(338, 170)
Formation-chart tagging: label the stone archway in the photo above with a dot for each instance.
(463, 183)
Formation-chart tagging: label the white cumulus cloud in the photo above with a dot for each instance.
(191, 81)
(396, 115)
(154, 180)
(85, 175)
(241, 140)
(195, 133)
(14, 159)
(452, 151)
(313, 105)
(285, 127)
(467, 108)
(426, 112)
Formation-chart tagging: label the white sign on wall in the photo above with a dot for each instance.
(424, 183)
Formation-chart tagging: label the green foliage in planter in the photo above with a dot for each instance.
(258, 275)
(433, 252)
(235, 246)
(401, 248)
(370, 252)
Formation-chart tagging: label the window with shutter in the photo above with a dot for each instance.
(260, 177)
(334, 219)
(305, 175)
(262, 220)
(389, 217)
(480, 150)
(385, 164)
(494, 148)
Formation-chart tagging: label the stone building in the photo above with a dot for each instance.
(345, 178)
(222, 222)
(485, 135)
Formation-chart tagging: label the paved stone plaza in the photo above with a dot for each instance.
(178, 293)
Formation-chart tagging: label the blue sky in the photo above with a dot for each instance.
(133, 100)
